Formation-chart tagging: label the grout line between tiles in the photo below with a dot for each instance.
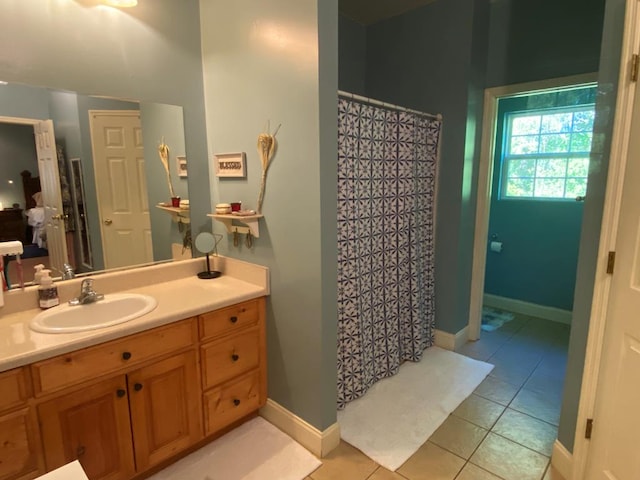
(520, 388)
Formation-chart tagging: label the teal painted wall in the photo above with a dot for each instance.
(63, 109)
(543, 39)
(275, 61)
(24, 101)
(540, 237)
(352, 56)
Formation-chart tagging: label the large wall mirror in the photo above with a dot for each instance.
(82, 182)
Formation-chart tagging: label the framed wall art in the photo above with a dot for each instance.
(182, 165)
(231, 165)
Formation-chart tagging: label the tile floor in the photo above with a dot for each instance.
(504, 430)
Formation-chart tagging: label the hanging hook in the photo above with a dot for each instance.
(236, 239)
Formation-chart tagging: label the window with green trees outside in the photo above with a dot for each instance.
(546, 153)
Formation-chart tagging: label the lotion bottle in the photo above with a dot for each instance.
(38, 273)
(47, 291)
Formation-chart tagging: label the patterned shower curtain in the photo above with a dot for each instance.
(386, 194)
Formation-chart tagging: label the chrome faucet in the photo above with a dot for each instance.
(67, 272)
(87, 294)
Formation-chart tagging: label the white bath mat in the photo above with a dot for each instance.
(254, 451)
(398, 414)
(494, 319)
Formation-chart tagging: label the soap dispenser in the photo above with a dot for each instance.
(47, 291)
(38, 273)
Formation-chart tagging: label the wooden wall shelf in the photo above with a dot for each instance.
(179, 215)
(251, 221)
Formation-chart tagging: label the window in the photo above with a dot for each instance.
(547, 153)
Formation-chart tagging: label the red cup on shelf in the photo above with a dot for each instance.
(175, 202)
(236, 206)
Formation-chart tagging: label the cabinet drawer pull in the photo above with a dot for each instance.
(121, 393)
(80, 451)
(137, 387)
(235, 357)
(236, 402)
(233, 319)
(126, 355)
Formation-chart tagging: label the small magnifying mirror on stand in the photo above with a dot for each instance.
(206, 243)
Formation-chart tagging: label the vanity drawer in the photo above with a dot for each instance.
(230, 319)
(75, 367)
(228, 358)
(15, 387)
(230, 402)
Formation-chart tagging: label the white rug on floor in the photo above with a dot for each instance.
(398, 414)
(254, 451)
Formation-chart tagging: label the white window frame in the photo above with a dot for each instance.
(506, 157)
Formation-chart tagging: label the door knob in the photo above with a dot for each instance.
(108, 221)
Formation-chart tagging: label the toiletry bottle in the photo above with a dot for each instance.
(47, 291)
(38, 273)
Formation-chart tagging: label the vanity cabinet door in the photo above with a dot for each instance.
(19, 446)
(90, 425)
(165, 408)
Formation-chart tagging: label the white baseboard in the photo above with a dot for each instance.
(320, 443)
(450, 341)
(562, 460)
(526, 308)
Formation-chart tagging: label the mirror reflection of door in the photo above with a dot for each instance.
(84, 255)
(116, 139)
(25, 106)
(54, 217)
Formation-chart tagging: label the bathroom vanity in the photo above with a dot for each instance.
(132, 398)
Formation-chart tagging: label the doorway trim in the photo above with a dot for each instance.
(608, 236)
(485, 174)
(20, 120)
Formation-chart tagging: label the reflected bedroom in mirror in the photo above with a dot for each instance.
(88, 181)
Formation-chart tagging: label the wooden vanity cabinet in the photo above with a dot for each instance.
(127, 405)
(20, 446)
(126, 423)
(234, 365)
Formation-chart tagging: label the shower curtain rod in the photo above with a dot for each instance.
(388, 105)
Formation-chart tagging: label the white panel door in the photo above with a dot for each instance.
(51, 197)
(118, 157)
(614, 453)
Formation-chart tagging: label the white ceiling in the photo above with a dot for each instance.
(372, 11)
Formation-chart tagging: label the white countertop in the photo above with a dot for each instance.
(177, 299)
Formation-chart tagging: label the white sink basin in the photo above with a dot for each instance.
(115, 308)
